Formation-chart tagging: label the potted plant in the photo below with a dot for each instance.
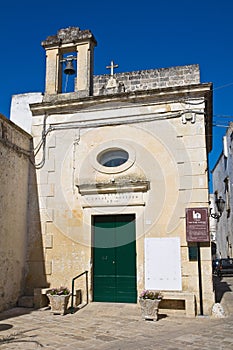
(59, 298)
(149, 302)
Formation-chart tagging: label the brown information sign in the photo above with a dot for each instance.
(197, 225)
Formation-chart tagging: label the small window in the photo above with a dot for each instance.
(113, 157)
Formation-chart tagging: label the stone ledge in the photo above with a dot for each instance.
(26, 301)
(40, 298)
(189, 299)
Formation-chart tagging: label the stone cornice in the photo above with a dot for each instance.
(100, 188)
(71, 102)
(67, 35)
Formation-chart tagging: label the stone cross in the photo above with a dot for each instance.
(112, 66)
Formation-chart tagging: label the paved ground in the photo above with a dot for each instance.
(107, 326)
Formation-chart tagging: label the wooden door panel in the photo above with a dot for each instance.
(114, 258)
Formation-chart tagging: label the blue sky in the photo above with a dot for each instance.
(136, 35)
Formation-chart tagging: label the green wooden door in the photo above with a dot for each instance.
(114, 259)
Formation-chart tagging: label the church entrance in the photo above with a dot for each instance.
(114, 259)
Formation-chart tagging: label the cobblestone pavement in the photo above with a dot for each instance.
(116, 327)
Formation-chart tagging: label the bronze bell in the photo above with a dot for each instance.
(69, 68)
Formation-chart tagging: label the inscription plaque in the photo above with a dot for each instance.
(112, 199)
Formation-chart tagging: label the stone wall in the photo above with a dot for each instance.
(147, 79)
(14, 156)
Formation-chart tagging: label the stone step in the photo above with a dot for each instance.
(26, 301)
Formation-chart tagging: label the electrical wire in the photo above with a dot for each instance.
(119, 121)
(42, 144)
(223, 86)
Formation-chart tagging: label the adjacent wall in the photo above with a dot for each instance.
(14, 164)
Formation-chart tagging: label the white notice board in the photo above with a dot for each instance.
(163, 264)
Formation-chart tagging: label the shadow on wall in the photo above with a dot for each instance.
(220, 288)
(35, 276)
(20, 231)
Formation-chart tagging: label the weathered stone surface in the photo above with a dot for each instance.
(67, 35)
(59, 303)
(149, 79)
(149, 309)
(15, 150)
(26, 301)
(218, 311)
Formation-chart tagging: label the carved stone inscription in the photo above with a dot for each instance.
(112, 199)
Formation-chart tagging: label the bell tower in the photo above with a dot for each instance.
(70, 46)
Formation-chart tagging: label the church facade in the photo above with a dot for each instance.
(118, 160)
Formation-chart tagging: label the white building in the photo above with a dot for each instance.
(222, 185)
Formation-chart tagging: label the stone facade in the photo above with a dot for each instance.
(157, 123)
(222, 180)
(147, 79)
(14, 175)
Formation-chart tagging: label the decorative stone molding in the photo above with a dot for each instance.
(67, 35)
(116, 187)
(189, 116)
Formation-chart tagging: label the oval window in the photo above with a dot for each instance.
(113, 157)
